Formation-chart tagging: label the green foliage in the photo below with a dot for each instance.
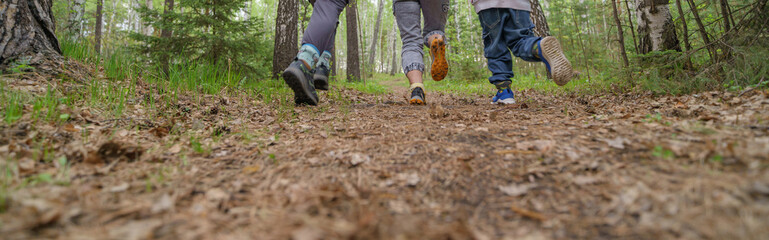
(12, 105)
(207, 32)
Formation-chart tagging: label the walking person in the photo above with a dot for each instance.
(310, 69)
(408, 15)
(507, 27)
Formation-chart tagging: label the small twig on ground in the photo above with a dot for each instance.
(528, 214)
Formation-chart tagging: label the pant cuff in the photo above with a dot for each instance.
(414, 66)
(427, 37)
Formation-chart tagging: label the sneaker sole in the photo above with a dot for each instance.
(416, 101)
(440, 66)
(302, 92)
(503, 102)
(320, 83)
(560, 67)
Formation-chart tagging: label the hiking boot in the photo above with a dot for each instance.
(558, 67)
(298, 76)
(504, 96)
(440, 66)
(417, 96)
(320, 79)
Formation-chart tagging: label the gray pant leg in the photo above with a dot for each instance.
(436, 13)
(409, 19)
(322, 28)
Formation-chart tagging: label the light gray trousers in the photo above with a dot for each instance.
(408, 14)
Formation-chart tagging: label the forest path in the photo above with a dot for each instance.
(371, 167)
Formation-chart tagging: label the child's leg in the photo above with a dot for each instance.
(322, 27)
(519, 35)
(408, 16)
(317, 38)
(528, 47)
(435, 14)
(495, 47)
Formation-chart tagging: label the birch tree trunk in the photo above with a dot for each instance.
(353, 58)
(28, 35)
(538, 18)
(394, 54)
(655, 26)
(148, 29)
(372, 49)
(286, 36)
(75, 21)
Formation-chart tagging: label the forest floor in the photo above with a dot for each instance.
(367, 166)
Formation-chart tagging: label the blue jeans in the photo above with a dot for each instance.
(505, 30)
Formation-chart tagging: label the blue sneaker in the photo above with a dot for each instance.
(504, 96)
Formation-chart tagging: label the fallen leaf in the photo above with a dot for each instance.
(528, 214)
(516, 189)
(163, 204)
(357, 158)
(176, 148)
(119, 188)
(251, 169)
(618, 142)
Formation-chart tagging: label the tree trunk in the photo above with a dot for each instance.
(166, 33)
(726, 15)
(110, 22)
(98, 27)
(394, 64)
(27, 35)
(685, 34)
(148, 29)
(655, 26)
(353, 58)
(703, 32)
(372, 49)
(75, 22)
(632, 28)
(620, 35)
(285, 36)
(538, 18)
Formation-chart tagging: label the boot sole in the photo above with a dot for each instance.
(440, 66)
(560, 67)
(320, 83)
(416, 102)
(302, 92)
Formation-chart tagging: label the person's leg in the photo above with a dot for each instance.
(435, 16)
(527, 46)
(496, 52)
(408, 17)
(319, 33)
(322, 27)
(323, 67)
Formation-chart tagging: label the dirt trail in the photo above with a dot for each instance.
(370, 167)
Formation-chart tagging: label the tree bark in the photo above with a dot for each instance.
(99, 24)
(632, 27)
(166, 33)
(27, 35)
(372, 49)
(353, 58)
(75, 21)
(148, 29)
(620, 34)
(394, 64)
(538, 18)
(687, 44)
(655, 27)
(286, 36)
(703, 32)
